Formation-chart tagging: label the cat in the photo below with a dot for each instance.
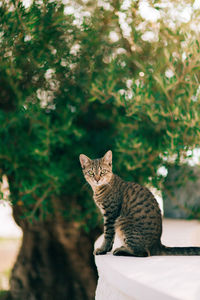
(128, 209)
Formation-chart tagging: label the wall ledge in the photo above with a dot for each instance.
(153, 278)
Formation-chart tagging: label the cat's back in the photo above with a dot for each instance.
(139, 202)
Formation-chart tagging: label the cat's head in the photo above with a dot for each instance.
(98, 171)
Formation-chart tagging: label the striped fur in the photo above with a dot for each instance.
(130, 210)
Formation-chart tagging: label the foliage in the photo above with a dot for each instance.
(78, 83)
(160, 99)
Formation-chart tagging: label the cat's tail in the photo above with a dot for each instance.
(164, 250)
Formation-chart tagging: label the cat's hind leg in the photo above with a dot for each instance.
(132, 239)
(123, 251)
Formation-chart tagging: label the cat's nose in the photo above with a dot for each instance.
(97, 178)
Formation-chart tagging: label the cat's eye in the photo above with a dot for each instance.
(90, 172)
(103, 172)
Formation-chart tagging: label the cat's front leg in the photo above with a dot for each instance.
(109, 233)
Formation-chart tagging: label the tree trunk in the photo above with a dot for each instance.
(55, 262)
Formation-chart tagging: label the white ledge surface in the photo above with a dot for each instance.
(153, 278)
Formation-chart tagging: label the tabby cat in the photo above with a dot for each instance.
(130, 210)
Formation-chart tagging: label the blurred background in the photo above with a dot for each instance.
(84, 77)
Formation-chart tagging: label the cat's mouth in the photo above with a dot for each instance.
(98, 183)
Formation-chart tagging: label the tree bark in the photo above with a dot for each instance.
(55, 262)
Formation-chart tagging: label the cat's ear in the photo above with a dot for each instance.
(84, 160)
(108, 158)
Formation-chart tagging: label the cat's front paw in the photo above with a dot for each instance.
(100, 251)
